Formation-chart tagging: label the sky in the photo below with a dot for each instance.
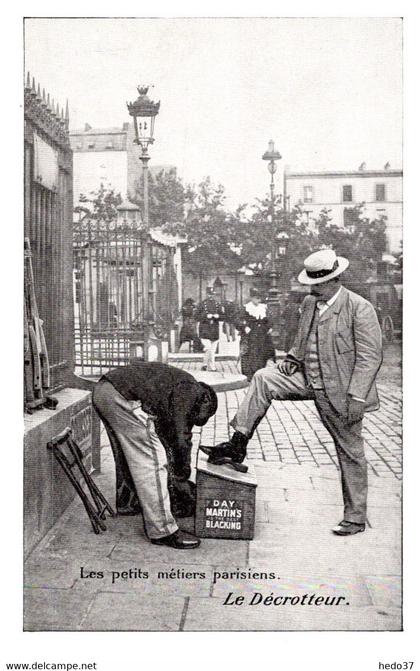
(327, 91)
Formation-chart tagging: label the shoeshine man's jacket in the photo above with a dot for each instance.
(172, 396)
(349, 348)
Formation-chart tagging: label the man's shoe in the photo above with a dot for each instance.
(180, 540)
(223, 461)
(232, 451)
(348, 528)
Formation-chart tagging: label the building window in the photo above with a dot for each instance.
(381, 214)
(380, 193)
(347, 193)
(91, 145)
(308, 194)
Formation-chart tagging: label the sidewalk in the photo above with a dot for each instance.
(298, 501)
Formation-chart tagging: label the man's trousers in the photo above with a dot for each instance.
(145, 455)
(210, 348)
(270, 384)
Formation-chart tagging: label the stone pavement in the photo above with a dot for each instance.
(293, 553)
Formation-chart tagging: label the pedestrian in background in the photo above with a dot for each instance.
(230, 314)
(209, 313)
(188, 331)
(256, 347)
(290, 317)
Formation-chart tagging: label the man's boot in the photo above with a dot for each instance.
(231, 452)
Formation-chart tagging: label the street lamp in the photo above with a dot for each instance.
(144, 112)
(282, 239)
(271, 156)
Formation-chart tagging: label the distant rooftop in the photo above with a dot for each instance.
(88, 139)
(362, 171)
(110, 130)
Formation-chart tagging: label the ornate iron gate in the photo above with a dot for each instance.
(125, 293)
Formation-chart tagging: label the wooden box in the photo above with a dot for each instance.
(225, 501)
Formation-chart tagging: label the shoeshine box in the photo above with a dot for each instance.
(225, 501)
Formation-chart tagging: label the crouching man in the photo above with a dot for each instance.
(334, 361)
(148, 410)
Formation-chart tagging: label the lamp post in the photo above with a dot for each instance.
(271, 156)
(144, 112)
(282, 243)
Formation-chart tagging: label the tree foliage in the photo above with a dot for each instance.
(167, 195)
(209, 230)
(362, 242)
(101, 204)
(218, 240)
(257, 237)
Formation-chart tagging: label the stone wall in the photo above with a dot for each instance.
(47, 491)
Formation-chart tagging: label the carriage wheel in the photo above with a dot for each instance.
(388, 328)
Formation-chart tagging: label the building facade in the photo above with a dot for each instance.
(340, 191)
(106, 156)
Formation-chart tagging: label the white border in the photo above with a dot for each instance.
(115, 651)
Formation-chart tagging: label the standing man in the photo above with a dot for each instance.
(209, 313)
(148, 410)
(334, 361)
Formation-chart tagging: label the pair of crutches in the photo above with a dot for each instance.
(37, 367)
(97, 505)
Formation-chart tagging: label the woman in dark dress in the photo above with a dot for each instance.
(254, 327)
(188, 331)
(290, 316)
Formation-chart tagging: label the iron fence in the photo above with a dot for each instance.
(48, 221)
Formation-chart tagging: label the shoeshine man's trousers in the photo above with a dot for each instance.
(270, 384)
(145, 455)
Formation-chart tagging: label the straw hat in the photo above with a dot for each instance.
(322, 266)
